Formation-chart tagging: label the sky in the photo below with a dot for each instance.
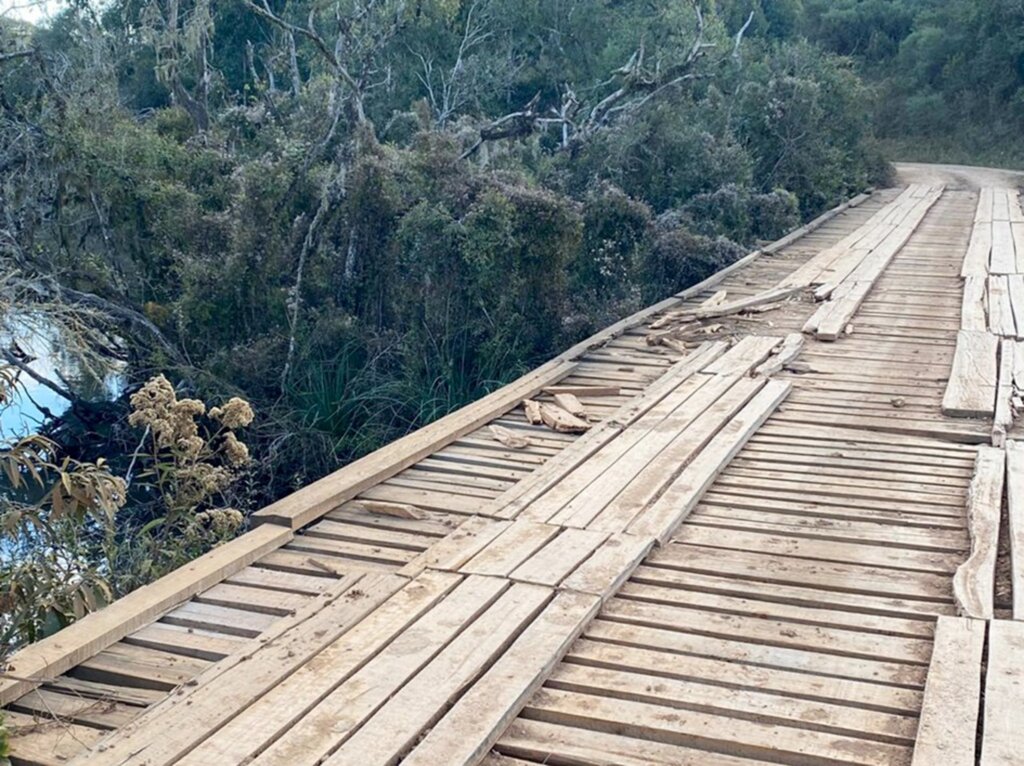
(33, 11)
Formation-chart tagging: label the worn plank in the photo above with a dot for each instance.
(465, 734)
(974, 581)
(971, 391)
(1002, 743)
(949, 713)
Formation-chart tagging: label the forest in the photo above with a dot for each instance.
(243, 243)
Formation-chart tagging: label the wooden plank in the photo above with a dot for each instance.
(60, 652)
(1017, 231)
(790, 349)
(949, 713)
(754, 628)
(973, 314)
(314, 736)
(266, 719)
(172, 728)
(974, 581)
(983, 213)
(511, 548)
(465, 734)
(746, 355)
(543, 742)
(1000, 205)
(1003, 420)
(1015, 517)
(451, 552)
(971, 391)
(662, 518)
(976, 260)
(611, 565)
(556, 560)
(714, 697)
(1015, 288)
(1000, 310)
(1004, 260)
(205, 644)
(705, 731)
(639, 474)
(50, 703)
(854, 693)
(1002, 743)
(394, 729)
(731, 648)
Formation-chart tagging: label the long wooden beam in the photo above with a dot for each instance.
(60, 652)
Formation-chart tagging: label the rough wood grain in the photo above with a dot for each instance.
(974, 581)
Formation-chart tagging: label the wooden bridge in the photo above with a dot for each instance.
(747, 525)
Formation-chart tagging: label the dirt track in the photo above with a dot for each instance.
(957, 176)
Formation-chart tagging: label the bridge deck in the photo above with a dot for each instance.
(740, 562)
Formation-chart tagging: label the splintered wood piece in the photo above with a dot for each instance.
(384, 508)
(715, 300)
(509, 439)
(560, 420)
(949, 715)
(571, 404)
(974, 580)
(669, 318)
(533, 412)
(588, 391)
(786, 353)
(774, 295)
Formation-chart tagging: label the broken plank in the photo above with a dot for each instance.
(974, 580)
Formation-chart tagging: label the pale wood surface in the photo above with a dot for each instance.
(949, 716)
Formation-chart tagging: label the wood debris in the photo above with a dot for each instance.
(787, 351)
(509, 439)
(561, 420)
(398, 510)
(532, 410)
(571, 404)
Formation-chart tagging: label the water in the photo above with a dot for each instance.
(51, 356)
